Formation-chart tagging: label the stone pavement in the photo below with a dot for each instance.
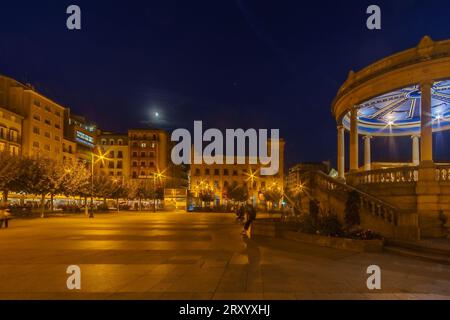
(193, 256)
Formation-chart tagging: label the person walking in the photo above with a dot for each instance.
(250, 214)
(240, 213)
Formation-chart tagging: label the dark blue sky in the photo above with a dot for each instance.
(247, 63)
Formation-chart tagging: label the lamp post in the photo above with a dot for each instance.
(156, 175)
(100, 157)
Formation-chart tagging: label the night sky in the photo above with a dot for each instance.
(248, 63)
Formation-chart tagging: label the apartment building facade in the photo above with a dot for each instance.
(43, 119)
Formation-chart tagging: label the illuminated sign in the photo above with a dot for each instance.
(84, 139)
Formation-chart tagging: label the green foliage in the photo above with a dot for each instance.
(307, 224)
(206, 196)
(237, 193)
(352, 208)
(314, 210)
(273, 195)
(329, 225)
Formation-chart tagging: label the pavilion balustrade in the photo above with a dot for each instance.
(369, 204)
(391, 175)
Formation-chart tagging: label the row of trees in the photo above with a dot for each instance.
(240, 193)
(45, 177)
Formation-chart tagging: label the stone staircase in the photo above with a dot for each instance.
(435, 250)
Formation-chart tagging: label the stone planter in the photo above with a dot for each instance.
(337, 243)
(278, 230)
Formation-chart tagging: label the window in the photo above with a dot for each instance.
(235, 173)
(111, 164)
(47, 134)
(197, 172)
(47, 108)
(3, 131)
(207, 172)
(57, 138)
(2, 146)
(119, 154)
(13, 150)
(47, 147)
(216, 172)
(134, 154)
(134, 174)
(48, 122)
(13, 135)
(119, 173)
(57, 126)
(120, 142)
(142, 154)
(36, 130)
(111, 154)
(111, 142)
(135, 145)
(58, 113)
(37, 103)
(104, 142)
(37, 117)
(142, 163)
(225, 172)
(152, 164)
(36, 144)
(134, 163)
(111, 173)
(143, 145)
(119, 165)
(152, 154)
(143, 173)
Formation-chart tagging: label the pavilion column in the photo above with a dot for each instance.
(354, 161)
(426, 123)
(415, 150)
(341, 152)
(428, 190)
(367, 155)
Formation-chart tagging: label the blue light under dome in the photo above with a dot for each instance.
(398, 112)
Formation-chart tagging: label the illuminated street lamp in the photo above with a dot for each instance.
(251, 176)
(160, 176)
(102, 158)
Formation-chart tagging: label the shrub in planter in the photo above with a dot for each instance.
(352, 207)
(363, 235)
(307, 224)
(329, 225)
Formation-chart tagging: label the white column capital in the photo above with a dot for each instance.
(367, 137)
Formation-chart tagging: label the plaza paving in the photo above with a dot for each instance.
(193, 256)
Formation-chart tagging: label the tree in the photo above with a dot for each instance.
(103, 187)
(120, 189)
(206, 195)
(237, 193)
(141, 190)
(9, 169)
(352, 208)
(39, 176)
(273, 195)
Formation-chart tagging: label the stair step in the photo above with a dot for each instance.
(420, 247)
(439, 258)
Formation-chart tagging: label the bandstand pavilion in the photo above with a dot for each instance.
(406, 94)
